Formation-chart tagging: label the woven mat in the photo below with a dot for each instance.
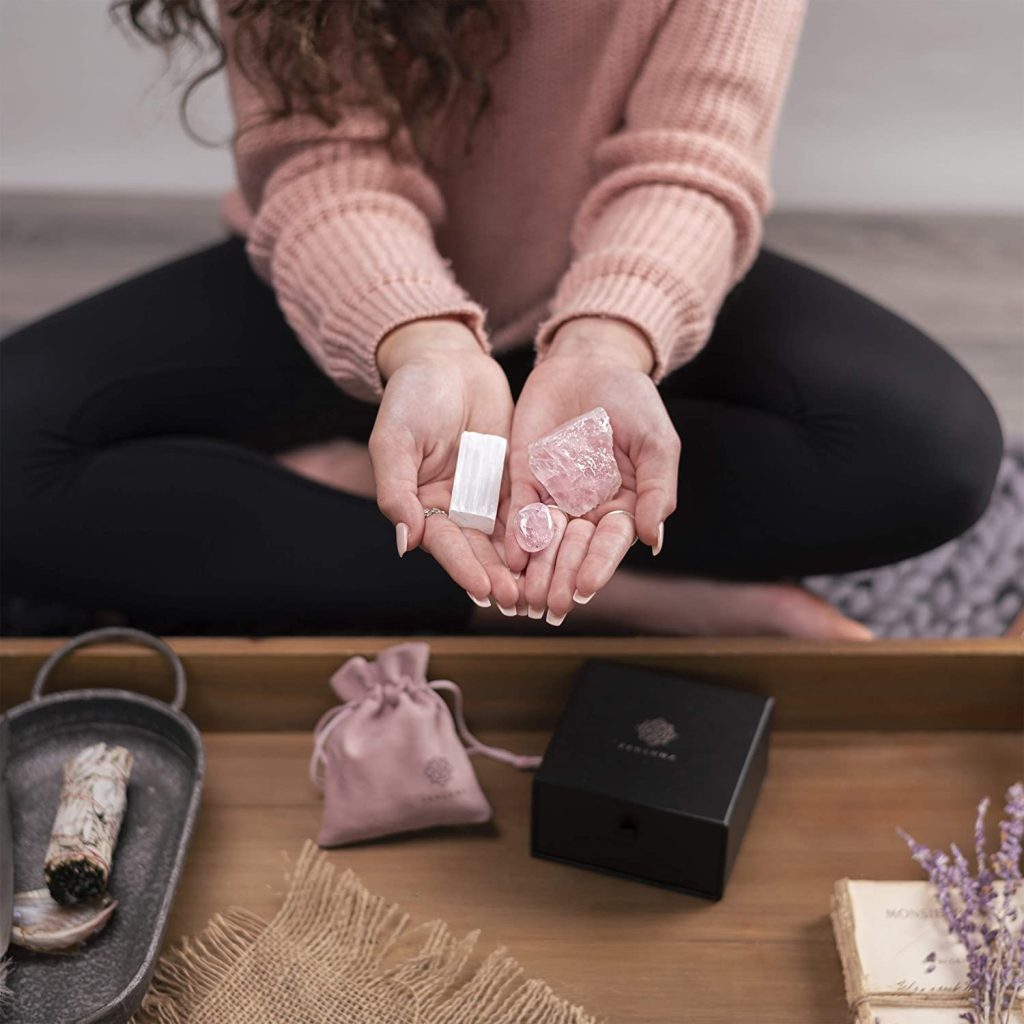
(973, 586)
(337, 954)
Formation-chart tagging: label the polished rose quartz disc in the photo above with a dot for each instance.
(533, 527)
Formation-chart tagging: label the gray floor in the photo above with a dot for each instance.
(961, 278)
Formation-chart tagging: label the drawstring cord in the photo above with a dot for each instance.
(524, 762)
(333, 716)
(321, 734)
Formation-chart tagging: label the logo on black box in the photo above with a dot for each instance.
(656, 732)
(653, 733)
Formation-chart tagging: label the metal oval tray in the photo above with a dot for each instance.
(107, 978)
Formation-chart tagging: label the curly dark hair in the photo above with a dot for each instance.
(412, 58)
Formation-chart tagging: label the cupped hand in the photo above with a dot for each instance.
(439, 383)
(593, 362)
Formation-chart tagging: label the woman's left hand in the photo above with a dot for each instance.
(593, 362)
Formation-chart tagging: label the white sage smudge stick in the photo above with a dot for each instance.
(89, 815)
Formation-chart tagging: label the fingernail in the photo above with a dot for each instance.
(515, 575)
(656, 550)
(507, 612)
(401, 539)
(555, 620)
(535, 613)
(580, 599)
(480, 602)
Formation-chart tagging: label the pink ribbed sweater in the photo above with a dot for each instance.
(622, 173)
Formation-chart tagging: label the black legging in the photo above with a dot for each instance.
(820, 433)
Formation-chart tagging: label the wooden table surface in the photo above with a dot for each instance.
(522, 682)
(630, 953)
(868, 737)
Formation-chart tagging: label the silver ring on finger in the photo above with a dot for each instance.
(428, 512)
(623, 512)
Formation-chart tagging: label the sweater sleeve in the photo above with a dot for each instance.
(673, 219)
(340, 228)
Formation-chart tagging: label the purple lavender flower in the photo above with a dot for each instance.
(983, 910)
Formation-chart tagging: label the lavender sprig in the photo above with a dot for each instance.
(983, 911)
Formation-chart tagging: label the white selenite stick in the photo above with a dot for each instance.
(477, 483)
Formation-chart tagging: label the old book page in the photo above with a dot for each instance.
(900, 963)
(897, 926)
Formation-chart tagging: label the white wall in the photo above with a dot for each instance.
(895, 104)
(908, 104)
(85, 107)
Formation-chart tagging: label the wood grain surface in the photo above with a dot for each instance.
(632, 954)
(522, 682)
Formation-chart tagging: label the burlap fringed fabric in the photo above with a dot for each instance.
(336, 953)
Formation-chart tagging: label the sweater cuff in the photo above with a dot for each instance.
(350, 269)
(351, 336)
(675, 324)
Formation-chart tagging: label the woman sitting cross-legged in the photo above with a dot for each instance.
(486, 215)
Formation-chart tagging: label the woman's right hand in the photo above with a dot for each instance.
(439, 382)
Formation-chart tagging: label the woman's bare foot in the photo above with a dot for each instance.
(339, 463)
(686, 606)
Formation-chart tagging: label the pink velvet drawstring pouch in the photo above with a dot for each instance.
(393, 757)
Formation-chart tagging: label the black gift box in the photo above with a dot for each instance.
(651, 776)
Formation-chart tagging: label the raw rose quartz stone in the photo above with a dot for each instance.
(576, 463)
(533, 527)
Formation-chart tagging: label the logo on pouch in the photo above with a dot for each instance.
(656, 732)
(438, 770)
